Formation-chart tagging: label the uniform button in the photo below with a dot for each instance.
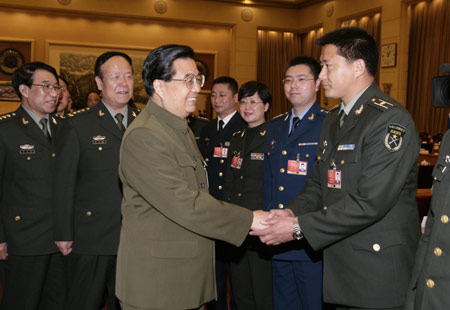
(220, 187)
(376, 247)
(281, 206)
(28, 158)
(17, 218)
(342, 162)
(239, 194)
(281, 188)
(242, 177)
(100, 148)
(444, 219)
(268, 153)
(325, 207)
(307, 155)
(222, 161)
(220, 174)
(282, 170)
(435, 178)
(206, 159)
(53, 155)
(88, 213)
(318, 157)
(437, 251)
(430, 283)
(202, 185)
(284, 152)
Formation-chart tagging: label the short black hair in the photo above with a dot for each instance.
(232, 84)
(310, 62)
(92, 91)
(64, 80)
(354, 43)
(105, 57)
(250, 88)
(25, 74)
(159, 64)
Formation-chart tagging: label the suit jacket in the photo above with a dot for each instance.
(280, 185)
(87, 187)
(26, 178)
(369, 228)
(209, 140)
(430, 283)
(166, 255)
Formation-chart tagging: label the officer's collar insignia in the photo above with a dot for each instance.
(357, 112)
(272, 143)
(133, 114)
(394, 137)
(287, 116)
(54, 120)
(447, 159)
(311, 117)
(24, 121)
(263, 133)
(99, 140)
(27, 149)
(100, 113)
(242, 134)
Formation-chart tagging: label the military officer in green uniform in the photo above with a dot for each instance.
(87, 187)
(359, 205)
(34, 267)
(251, 268)
(430, 283)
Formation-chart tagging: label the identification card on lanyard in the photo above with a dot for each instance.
(236, 162)
(297, 167)
(334, 177)
(221, 152)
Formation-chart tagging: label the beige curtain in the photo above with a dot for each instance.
(429, 46)
(275, 49)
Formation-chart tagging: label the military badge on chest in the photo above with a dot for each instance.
(236, 161)
(334, 177)
(394, 137)
(99, 139)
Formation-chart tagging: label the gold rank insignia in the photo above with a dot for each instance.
(24, 121)
(133, 114)
(357, 112)
(381, 103)
(54, 120)
(263, 133)
(287, 116)
(394, 137)
(100, 113)
(311, 117)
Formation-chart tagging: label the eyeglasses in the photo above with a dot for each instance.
(251, 103)
(289, 81)
(192, 80)
(47, 88)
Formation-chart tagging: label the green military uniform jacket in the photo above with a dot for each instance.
(369, 228)
(166, 251)
(87, 188)
(430, 284)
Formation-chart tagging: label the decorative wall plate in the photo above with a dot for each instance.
(10, 60)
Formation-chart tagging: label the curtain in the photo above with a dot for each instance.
(429, 46)
(275, 49)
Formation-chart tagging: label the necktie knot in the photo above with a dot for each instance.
(221, 123)
(43, 122)
(119, 117)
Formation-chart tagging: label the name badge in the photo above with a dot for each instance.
(221, 152)
(297, 167)
(236, 162)
(334, 178)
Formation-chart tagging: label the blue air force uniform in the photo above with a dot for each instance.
(288, 161)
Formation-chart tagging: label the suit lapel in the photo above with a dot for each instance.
(31, 129)
(258, 140)
(305, 124)
(132, 114)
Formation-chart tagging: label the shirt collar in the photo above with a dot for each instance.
(225, 119)
(347, 108)
(113, 113)
(36, 118)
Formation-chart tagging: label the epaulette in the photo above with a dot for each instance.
(323, 111)
(203, 118)
(59, 116)
(7, 116)
(236, 133)
(380, 104)
(78, 112)
(279, 116)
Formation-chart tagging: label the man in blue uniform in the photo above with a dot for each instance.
(292, 141)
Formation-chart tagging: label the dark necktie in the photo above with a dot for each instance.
(220, 126)
(119, 117)
(43, 123)
(295, 123)
(342, 117)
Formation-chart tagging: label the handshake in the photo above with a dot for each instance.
(274, 227)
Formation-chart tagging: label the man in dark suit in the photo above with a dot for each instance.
(214, 143)
(366, 222)
(88, 192)
(291, 145)
(34, 266)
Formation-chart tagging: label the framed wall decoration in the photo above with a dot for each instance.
(388, 55)
(13, 54)
(7, 93)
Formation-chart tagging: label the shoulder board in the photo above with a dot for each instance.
(236, 133)
(279, 116)
(6, 116)
(324, 111)
(203, 118)
(380, 104)
(56, 115)
(78, 112)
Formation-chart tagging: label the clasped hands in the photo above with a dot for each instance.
(273, 227)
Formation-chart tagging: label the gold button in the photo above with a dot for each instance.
(268, 153)
(342, 162)
(284, 152)
(307, 155)
(53, 155)
(281, 206)
(435, 178)
(444, 219)
(239, 194)
(100, 148)
(89, 213)
(206, 159)
(376, 247)
(437, 251)
(281, 188)
(220, 187)
(242, 177)
(430, 283)
(318, 157)
(28, 158)
(221, 161)
(282, 170)
(17, 218)
(220, 174)
(325, 207)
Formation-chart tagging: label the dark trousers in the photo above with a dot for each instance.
(251, 276)
(130, 307)
(297, 285)
(91, 282)
(222, 276)
(34, 282)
